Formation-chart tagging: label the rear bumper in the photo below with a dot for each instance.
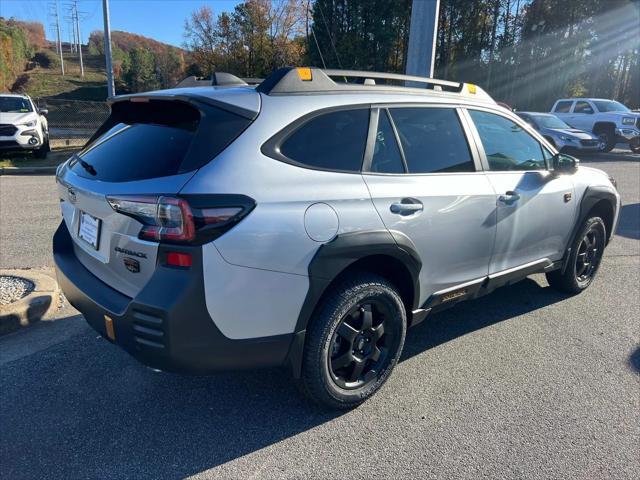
(167, 325)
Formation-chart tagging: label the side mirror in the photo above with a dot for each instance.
(43, 111)
(564, 163)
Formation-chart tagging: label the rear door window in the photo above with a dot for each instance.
(330, 141)
(563, 107)
(155, 139)
(432, 140)
(582, 107)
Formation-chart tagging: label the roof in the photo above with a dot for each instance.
(540, 114)
(17, 95)
(584, 98)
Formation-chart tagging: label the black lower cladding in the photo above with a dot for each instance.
(167, 325)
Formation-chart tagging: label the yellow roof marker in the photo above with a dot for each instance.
(305, 74)
(471, 87)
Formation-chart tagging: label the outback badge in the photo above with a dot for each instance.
(132, 264)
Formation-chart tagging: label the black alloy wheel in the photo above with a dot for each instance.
(360, 346)
(353, 342)
(589, 254)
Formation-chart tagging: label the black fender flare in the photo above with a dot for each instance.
(592, 195)
(334, 257)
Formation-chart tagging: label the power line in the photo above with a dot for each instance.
(333, 45)
(313, 32)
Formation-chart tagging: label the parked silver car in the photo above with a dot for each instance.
(309, 221)
(562, 136)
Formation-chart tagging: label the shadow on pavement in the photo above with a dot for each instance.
(84, 409)
(634, 360)
(616, 156)
(466, 317)
(629, 222)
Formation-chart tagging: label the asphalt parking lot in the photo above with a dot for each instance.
(524, 383)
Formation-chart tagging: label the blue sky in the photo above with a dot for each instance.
(159, 19)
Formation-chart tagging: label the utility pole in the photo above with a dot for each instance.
(107, 49)
(59, 42)
(422, 37)
(75, 8)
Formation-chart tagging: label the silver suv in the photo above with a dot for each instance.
(309, 221)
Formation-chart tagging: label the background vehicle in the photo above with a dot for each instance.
(22, 125)
(561, 135)
(611, 121)
(309, 223)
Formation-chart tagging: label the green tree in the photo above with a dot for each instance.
(140, 75)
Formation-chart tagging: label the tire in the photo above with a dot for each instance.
(584, 259)
(344, 361)
(635, 146)
(43, 150)
(607, 139)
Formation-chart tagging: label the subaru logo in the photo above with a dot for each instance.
(132, 264)
(72, 195)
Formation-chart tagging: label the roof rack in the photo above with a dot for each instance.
(301, 80)
(217, 79)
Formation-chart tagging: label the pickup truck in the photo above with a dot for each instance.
(609, 120)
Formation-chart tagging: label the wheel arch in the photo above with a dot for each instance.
(392, 256)
(596, 200)
(603, 126)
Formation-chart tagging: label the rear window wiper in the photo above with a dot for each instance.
(87, 166)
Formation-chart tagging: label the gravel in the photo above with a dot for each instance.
(13, 289)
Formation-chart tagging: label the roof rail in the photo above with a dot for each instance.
(290, 80)
(217, 79)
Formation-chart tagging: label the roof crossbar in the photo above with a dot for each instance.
(292, 80)
(453, 86)
(217, 79)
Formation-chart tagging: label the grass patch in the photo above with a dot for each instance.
(26, 159)
(48, 82)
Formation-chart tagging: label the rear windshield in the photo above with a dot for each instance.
(156, 139)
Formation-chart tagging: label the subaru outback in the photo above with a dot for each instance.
(308, 222)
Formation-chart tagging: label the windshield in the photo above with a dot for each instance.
(15, 105)
(610, 106)
(549, 121)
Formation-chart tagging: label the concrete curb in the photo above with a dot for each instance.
(28, 170)
(33, 307)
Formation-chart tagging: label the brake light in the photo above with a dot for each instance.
(173, 219)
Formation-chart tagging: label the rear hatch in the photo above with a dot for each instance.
(147, 150)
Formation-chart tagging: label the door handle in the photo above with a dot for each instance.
(509, 197)
(407, 206)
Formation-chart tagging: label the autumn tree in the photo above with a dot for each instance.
(253, 40)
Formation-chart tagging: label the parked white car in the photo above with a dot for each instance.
(23, 126)
(609, 120)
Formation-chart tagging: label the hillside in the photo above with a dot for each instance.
(48, 82)
(140, 63)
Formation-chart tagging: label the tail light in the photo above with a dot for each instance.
(178, 220)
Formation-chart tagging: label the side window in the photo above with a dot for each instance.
(507, 145)
(386, 153)
(432, 140)
(530, 121)
(583, 107)
(563, 107)
(330, 141)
